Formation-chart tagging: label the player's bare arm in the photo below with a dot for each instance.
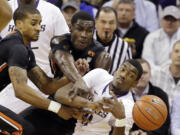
(18, 78)
(62, 95)
(65, 62)
(117, 109)
(5, 13)
(103, 61)
(114, 106)
(46, 84)
(118, 131)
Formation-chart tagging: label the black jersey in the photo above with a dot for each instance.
(13, 52)
(64, 43)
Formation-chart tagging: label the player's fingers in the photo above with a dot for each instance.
(72, 94)
(107, 100)
(113, 95)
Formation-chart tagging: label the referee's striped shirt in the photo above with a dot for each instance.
(118, 49)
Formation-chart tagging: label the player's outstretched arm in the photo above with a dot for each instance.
(118, 131)
(5, 13)
(65, 62)
(63, 96)
(46, 84)
(103, 61)
(18, 78)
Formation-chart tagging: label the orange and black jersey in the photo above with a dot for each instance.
(64, 43)
(13, 52)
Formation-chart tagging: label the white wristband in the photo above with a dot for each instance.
(120, 123)
(54, 106)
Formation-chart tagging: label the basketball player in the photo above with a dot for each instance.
(18, 63)
(78, 44)
(101, 84)
(53, 23)
(5, 13)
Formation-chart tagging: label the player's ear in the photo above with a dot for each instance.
(19, 24)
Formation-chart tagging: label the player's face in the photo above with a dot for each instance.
(175, 55)
(82, 34)
(125, 77)
(106, 24)
(31, 27)
(144, 80)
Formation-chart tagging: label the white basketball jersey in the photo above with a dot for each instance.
(98, 81)
(53, 23)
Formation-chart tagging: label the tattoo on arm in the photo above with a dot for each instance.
(38, 77)
(17, 75)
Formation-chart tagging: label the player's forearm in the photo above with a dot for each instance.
(118, 131)
(54, 84)
(5, 13)
(66, 63)
(31, 96)
(78, 102)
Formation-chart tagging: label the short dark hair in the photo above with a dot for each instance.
(137, 65)
(83, 15)
(106, 10)
(22, 11)
(126, 2)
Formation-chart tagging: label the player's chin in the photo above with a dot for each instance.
(35, 38)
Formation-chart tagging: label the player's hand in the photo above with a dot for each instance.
(114, 106)
(79, 114)
(65, 112)
(82, 66)
(103, 61)
(79, 89)
(96, 106)
(138, 132)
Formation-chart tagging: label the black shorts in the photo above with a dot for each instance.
(48, 123)
(11, 122)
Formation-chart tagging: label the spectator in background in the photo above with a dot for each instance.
(128, 27)
(144, 87)
(175, 116)
(158, 44)
(68, 10)
(5, 14)
(106, 25)
(53, 23)
(168, 76)
(145, 11)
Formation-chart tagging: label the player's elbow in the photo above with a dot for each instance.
(19, 91)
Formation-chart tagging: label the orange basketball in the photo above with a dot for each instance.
(149, 112)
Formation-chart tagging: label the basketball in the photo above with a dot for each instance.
(149, 112)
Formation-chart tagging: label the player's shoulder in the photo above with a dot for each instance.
(59, 39)
(97, 46)
(97, 43)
